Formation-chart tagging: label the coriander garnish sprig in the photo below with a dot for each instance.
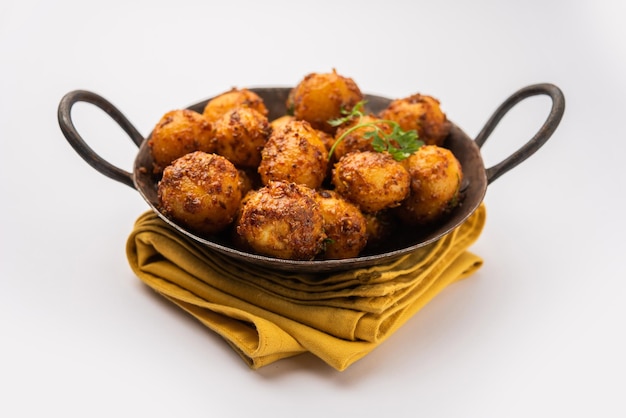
(356, 112)
(398, 143)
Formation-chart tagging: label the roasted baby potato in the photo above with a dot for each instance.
(294, 153)
(436, 177)
(344, 224)
(320, 97)
(282, 220)
(372, 180)
(280, 121)
(240, 135)
(421, 113)
(177, 133)
(235, 97)
(200, 191)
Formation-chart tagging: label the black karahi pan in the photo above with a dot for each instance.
(467, 151)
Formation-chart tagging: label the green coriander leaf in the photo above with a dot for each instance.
(378, 143)
(355, 112)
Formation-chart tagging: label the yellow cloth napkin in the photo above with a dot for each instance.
(267, 315)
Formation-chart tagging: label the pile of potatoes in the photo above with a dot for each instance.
(276, 188)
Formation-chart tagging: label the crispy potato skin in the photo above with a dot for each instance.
(372, 180)
(281, 121)
(240, 134)
(354, 138)
(421, 113)
(177, 133)
(282, 220)
(326, 138)
(436, 177)
(294, 153)
(200, 191)
(320, 97)
(216, 107)
(344, 224)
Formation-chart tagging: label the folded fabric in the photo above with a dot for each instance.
(266, 315)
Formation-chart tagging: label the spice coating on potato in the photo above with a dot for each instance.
(421, 113)
(436, 177)
(283, 220)
(344, 224)
(372, 180)
(281, 121)
(320, 97)
(294, 153)
(177, 133)
(240, 135)
(351, 137)
(216, 107)
(200, 191)
(326, 138)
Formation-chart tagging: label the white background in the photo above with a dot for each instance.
(538, 331)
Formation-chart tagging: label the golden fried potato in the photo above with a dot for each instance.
(179, 132)
(294, 153)
(420, 113)
(283, 220)
(200, 191)
(354, 139)
(344, 224)
(320, 97)
(372, 180)
(240, 135)
(326, 138)
(436, 177)
(235, 97)
(279, 122)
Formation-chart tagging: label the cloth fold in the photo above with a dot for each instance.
(267, 315)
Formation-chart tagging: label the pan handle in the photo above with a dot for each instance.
(540, 138)
(81, 147)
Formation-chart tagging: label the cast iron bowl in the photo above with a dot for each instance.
(467, 151)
